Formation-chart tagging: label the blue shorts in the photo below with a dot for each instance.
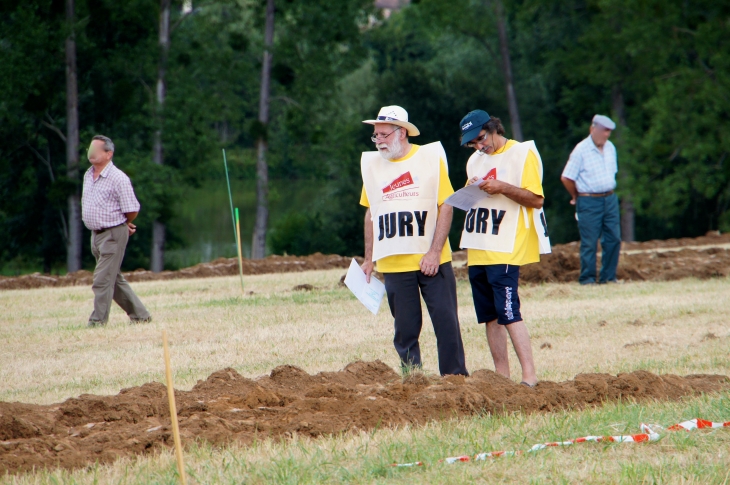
(494, 288)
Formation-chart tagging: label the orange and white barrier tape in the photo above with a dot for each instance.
(647, 435)
(698, 424)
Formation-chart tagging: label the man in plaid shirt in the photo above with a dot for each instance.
(590, 178)
(108, 207)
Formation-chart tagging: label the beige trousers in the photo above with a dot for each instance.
(108, 248)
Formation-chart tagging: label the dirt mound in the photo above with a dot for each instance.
(712, 238)
(229, 407)
(563, 265)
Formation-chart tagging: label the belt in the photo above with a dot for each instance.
(602, 194)
(107, 228)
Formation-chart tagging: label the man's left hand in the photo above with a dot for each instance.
(132, 228)
(430, 263)
(493, 187)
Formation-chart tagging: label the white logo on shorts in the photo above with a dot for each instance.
(508, 303)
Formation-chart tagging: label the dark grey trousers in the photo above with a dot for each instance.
(439, 292)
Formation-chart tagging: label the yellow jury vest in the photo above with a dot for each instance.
(491, 225)
(403, 199)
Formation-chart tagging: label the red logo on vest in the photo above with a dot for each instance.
(492, 175)
(403, 181)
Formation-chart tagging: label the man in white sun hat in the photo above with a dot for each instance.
(406, 233)
(590, 179)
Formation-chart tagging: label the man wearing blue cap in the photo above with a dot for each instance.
(503, 231)
(590, 178)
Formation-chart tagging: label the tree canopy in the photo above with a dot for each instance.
(658, 67)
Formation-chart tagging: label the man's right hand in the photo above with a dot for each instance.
(571, 188)
(367, 268)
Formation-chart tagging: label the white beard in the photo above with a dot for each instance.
(391, 153)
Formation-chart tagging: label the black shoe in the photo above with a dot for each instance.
(140, 320)
(95, 323)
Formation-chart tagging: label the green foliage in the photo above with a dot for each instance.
(335, 64)
(668, 61)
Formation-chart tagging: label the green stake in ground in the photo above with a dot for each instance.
(230, 198)
(238, 243)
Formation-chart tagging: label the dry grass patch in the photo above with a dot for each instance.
(682, 327)
(48, 354)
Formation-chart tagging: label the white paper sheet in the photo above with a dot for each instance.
(369, 294)
(467, 197)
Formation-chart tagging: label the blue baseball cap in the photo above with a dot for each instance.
(471, 125)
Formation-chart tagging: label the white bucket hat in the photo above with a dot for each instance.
(395, 115)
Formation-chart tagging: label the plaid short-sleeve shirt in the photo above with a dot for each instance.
(105, 200)
(593, 171)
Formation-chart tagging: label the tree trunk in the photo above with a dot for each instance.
(514, 112)
(75, 229)
(258, 245)
(627, 206)
(157, 257)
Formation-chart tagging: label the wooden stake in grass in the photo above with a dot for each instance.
(173, 411)
(238, 242)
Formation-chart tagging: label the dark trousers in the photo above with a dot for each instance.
(439, 292)
(598, 217)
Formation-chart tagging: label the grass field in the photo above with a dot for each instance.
(48, 354)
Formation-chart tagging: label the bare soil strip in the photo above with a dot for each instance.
(228, 407)
(563, 265)
(702, 257)
(218, 267)
(711, 239)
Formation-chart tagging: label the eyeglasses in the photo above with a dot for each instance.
(375, 136)
(474, 142)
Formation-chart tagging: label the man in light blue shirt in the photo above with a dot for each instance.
(590, 178)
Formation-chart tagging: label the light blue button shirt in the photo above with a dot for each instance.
(593, 172)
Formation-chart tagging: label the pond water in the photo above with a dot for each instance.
(204, 216)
